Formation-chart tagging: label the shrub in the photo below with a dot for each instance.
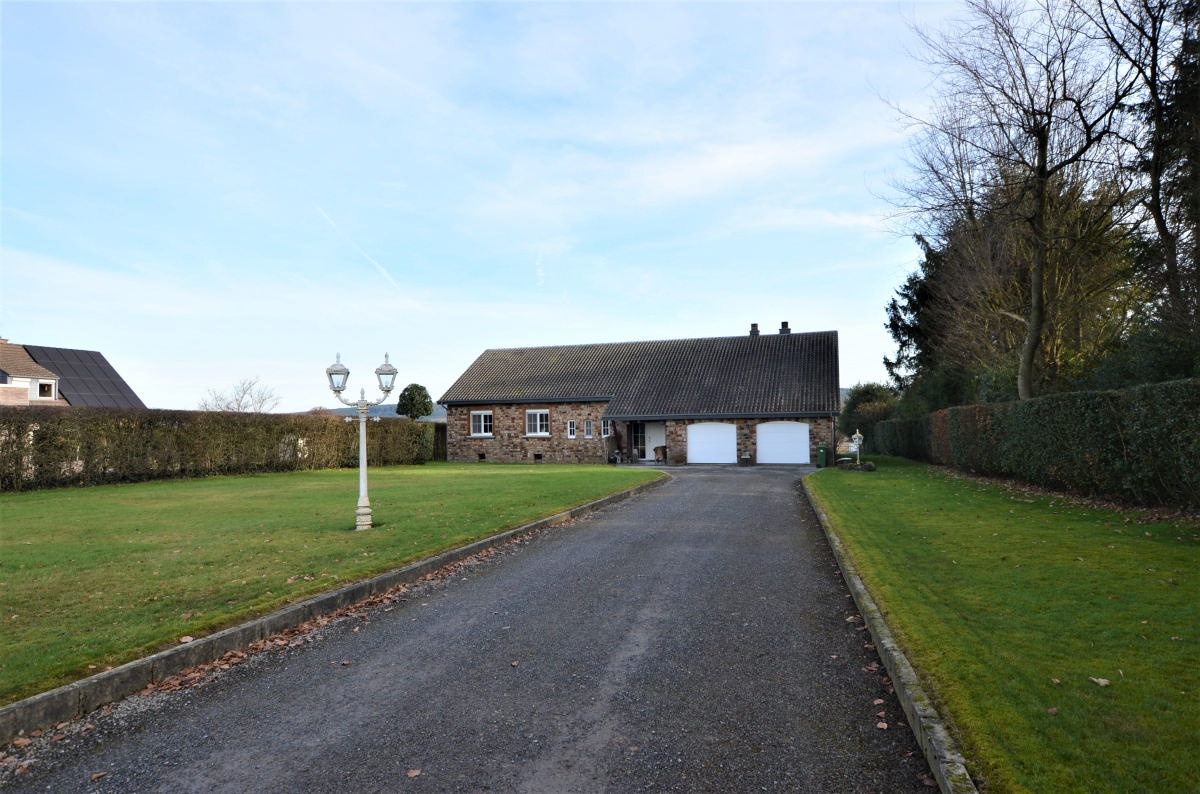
(1137, 445)
(50, 447)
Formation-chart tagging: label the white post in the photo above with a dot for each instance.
(338, 374)
(362, 515)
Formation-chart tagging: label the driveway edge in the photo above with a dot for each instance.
(941, 752)
(78, 698)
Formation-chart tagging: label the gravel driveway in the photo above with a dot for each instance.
(696, 638)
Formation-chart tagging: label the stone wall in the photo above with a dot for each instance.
(509, 443)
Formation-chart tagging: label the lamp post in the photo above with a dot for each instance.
(338, 374)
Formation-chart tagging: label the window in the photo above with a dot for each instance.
(46, 390)
(570, 428)
(481, 423)
(605, 428)
(587, 428)
(537, 423)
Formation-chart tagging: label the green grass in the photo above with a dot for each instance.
(94, 577)
(1008, 604)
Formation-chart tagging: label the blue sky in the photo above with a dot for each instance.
(207, 192)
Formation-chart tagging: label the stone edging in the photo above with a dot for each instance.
(78, 698)
(941, 752)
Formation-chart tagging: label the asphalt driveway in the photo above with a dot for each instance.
(695, 638)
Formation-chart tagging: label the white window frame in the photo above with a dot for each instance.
(588, 428)
(537, 422)
(483, 415)
(605, 428)
(570, 428)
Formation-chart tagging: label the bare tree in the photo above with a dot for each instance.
(1028, 97)
(1150, 38)
(247, 396)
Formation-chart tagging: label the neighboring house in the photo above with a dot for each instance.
(34, 375)
(742, 399)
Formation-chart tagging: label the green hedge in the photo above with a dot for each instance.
(1139, 445)
(51, 447)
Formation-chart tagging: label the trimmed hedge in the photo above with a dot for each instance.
(1140, 445)
(42, 447)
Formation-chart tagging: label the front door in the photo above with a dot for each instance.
(637, 441)
(656, 436)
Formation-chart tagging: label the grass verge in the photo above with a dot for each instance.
(1060, 641)
(91, 578)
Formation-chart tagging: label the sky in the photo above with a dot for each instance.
(210, 192)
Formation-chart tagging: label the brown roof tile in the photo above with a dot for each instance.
(17, 363)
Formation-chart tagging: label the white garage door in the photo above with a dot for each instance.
(712, 442)
(782, 442)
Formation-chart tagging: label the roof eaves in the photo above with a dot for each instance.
(651, 417)
(571, 398)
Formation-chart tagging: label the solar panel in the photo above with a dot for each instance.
(85, 378)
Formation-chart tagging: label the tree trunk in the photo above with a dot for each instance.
(1037, 269)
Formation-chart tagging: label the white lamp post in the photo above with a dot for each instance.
(338, 374)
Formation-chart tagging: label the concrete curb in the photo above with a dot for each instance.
(86, 695)
(941, 752)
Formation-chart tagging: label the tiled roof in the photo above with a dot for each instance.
(15, 362)
(769, 375)
(85, 378)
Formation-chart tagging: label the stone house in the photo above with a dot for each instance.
(758, 398)
(35, 375)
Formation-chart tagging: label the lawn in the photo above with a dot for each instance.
(1061, 642)
(91, 578)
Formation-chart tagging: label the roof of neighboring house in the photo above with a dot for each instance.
(787, 374)
(16, 362)
(85, 378)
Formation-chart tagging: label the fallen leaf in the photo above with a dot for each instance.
(1055, 681)
(881, 726)
(414, 773)
(21, 741)
(186, 638)
(98, 775)
(1099, 681)
(877, 702)
(515, 663)
(1052, 711)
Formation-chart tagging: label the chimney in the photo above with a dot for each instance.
(753, 329)
(783, 329)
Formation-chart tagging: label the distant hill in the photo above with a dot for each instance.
(388, 411)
